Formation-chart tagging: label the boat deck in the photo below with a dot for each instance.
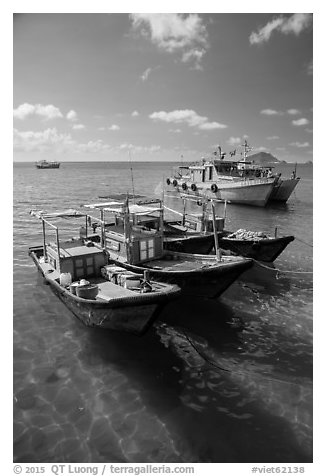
(108, 290)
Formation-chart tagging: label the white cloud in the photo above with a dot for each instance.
(310, 68)
(300, 122)
(234, 141)
(47, 112)
(294, 24)
(77, 127)
(114, 127)
(146, 73)
(41, 140)
(72, 115)
(271, 112)
(52, 140)
(175, 131)
(135, 114)
(272, 137)
(174, 32)
(186, 116)
(93, 147)
(293, 112)
(300, 144)
(261, 149)
(139, 148)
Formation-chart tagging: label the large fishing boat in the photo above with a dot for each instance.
(44, 164)
(235, 181)
(133, 236)
(98, 293)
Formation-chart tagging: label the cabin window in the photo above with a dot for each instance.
(146, 249)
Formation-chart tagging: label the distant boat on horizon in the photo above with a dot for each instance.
(44, 164)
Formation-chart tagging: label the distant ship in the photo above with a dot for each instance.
(44, 164)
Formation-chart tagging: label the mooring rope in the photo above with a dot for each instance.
(280, 271)
(308, 244)
(242, 372)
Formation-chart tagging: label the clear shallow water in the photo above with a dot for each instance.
(224, 381)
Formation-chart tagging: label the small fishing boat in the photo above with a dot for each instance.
(44, 164)
(134, 240)
(97, 292)
(234, 181)
(251, 244)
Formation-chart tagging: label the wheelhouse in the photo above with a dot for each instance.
(131, 232)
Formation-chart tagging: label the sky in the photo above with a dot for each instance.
(161, 86)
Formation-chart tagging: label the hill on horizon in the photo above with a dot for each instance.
(264, 158)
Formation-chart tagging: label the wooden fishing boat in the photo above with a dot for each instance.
(111, 298)
(251, 244)
(44, 164)
(135, 238)
(236, 181)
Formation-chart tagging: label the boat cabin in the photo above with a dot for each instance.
(76, 256)
(212, 170)
(131, 232)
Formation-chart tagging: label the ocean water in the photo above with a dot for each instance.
(226, 381)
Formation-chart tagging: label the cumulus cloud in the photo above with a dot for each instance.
(47, 112)
(135, 114)
(175, 131)
(72, 115)
(54, 141)
(271, 112)
(234, 141)
(272, 137)
(42, 140)
(310, 68)
(294, 24)
(293, 112)
(114, 127)
(300, 122)
(139, 148)
(300, 144)
(174, 32)
(186, 116)
(93, 147)
(145, 74)
(77, 127)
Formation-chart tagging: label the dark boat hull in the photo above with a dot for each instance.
(261, 250)
(130, 314)
(283, 189)
(209, 282)
(202, 244)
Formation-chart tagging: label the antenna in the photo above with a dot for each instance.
(132, 176)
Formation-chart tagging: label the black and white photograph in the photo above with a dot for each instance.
(162, 240)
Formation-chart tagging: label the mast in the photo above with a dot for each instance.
(246, 149)
(132, 177)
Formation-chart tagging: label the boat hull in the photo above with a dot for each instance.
(261, 250)
(283, 190)
(202, 244)
(207, 280)
(129, 314)
(247, 192)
